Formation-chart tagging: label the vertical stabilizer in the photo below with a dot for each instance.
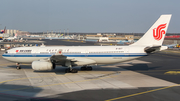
(4, 30)
(155, 35)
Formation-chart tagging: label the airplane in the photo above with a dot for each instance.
(11, 38)
(3, 31)
(171, 45)
(44, 58)
(7, 38)
(1, 39)
(123, 41)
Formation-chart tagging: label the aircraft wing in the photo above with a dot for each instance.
(60, 58)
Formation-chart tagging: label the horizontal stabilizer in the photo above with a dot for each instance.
(152, 49)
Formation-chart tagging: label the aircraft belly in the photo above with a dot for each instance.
(109, 60)
(23, 59)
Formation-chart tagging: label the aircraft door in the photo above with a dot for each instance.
(35, 51)
(126, 52)
(86, 53)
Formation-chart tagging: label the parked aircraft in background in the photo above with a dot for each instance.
(1, 39)
(173, 46)
(11, 38)
(4, 36)
(122, 42)
(46, 58)
(3, 31)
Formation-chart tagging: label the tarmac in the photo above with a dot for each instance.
(152, 78)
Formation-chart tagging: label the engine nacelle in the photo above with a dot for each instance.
(42, 65)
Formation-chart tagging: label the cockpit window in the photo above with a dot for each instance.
(6, 52)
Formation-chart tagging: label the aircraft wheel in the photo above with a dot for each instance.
(67, 70)
(89, 68)
(18, 67)
(74, 71)
(71, 71)
(54, 65)
(83, 68)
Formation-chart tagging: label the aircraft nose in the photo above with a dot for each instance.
(4, 55)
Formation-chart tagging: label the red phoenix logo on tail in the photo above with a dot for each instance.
(158, 32)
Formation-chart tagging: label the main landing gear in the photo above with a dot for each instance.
(18, 66)
(89, 68)
(83, 68)
(70, 69)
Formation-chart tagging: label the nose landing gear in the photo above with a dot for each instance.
(18, 67)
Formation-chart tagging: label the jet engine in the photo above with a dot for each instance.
(42, 65)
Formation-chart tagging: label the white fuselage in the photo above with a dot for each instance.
(99, 54)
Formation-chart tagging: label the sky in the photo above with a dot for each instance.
(90, 16)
